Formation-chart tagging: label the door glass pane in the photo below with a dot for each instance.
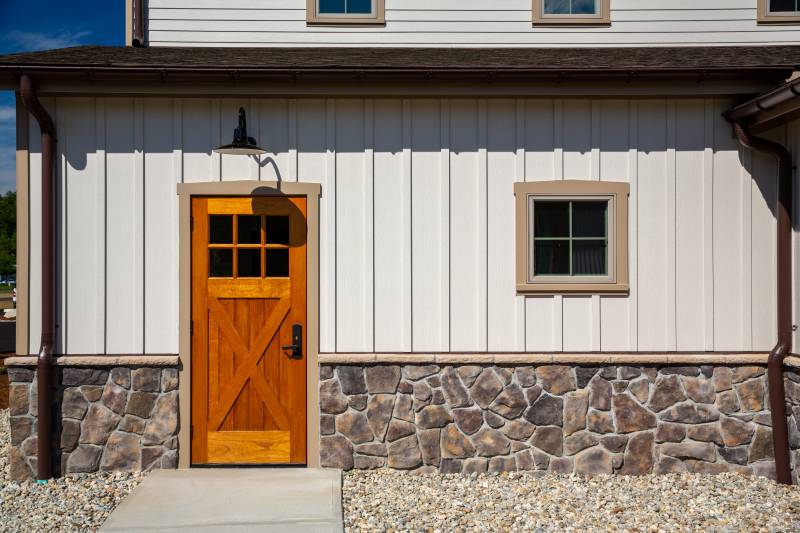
(220, 263)
(278, 230)
(220, 228)
(589, 258)
(249, 229)
(778, 6)
(249, 263)
(551, 258)
(589, 219)
(277, 263)
(331, 6)
(551, 219)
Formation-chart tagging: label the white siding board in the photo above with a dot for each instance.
(468, 225)
(506, 164)
(354, 317)
(727, 239)
(35, 229)
(689, 230)
(160, 227)
(124, 211)
(763, 248)
(652, 226)
(392, 225)
(430, 175)
(84, 262)
(417, 247)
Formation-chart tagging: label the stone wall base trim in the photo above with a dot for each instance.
(634, 358)
(160, 360)
(627, 419)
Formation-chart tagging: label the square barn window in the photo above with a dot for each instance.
(572, 236)
(780, 11)
(345, 12)
(571, 12)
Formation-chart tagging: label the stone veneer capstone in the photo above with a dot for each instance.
(556, 418)
(104, 420)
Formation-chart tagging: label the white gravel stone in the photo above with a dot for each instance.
(385, 500)
(78, 502)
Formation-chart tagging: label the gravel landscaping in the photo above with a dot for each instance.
(78, 502)
(385, 500)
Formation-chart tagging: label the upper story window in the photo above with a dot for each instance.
(572, 236)
(345, 12)
(571, 12)
(779, 11)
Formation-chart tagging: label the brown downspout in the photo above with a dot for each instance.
(777, 393)
(44, 364)
(138, 23)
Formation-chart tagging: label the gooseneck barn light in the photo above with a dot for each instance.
(242, 144)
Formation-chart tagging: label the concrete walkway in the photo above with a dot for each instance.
(233, 500)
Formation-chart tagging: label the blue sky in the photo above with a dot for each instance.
(27, 25)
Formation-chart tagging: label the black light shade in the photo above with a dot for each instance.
(242, 144)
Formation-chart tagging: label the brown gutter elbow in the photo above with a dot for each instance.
(138, 23)
(44, 364)
(777, 393)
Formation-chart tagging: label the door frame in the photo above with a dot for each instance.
(312, 192)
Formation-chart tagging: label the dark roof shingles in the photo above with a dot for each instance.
(584, 59)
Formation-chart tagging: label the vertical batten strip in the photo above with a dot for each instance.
(368, 251)
(444, 249)
(521, 175)
(483, 226)
(292, 127)
(138, 172)
(708, 225)
(101, 312)
(594, 164)
(62, 244)
(633, 220)
(328, 264)
(670, 185)
(558, 139)
(253, 119)
(408, 249)
(747, 172)
(216, 138)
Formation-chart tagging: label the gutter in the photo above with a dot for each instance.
(765, 102)
(783, 347)
(138, 23)
(44, 364)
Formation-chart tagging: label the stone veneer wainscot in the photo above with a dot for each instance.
(563, 419)
(110, 419)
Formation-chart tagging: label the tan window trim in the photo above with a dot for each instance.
(540, 19)
(619, 191)
(314, 18)
(764, 16)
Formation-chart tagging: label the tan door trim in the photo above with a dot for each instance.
(23, 231)
(186, 191)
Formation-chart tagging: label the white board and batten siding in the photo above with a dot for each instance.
(417, 219)
(475, 23)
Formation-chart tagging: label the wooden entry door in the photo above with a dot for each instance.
(248, 330)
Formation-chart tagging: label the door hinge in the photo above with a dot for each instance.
(191, 327)
(191, 223)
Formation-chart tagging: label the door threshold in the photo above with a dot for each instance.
(249, 465)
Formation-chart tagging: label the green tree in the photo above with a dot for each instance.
(8, 234)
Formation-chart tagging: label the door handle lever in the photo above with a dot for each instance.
(297, 342)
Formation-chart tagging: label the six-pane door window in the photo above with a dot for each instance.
(570, 238)
(248, 246)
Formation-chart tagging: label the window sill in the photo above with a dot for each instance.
(768, 20)
(343, 21)
(572, 22)
(574, 288)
